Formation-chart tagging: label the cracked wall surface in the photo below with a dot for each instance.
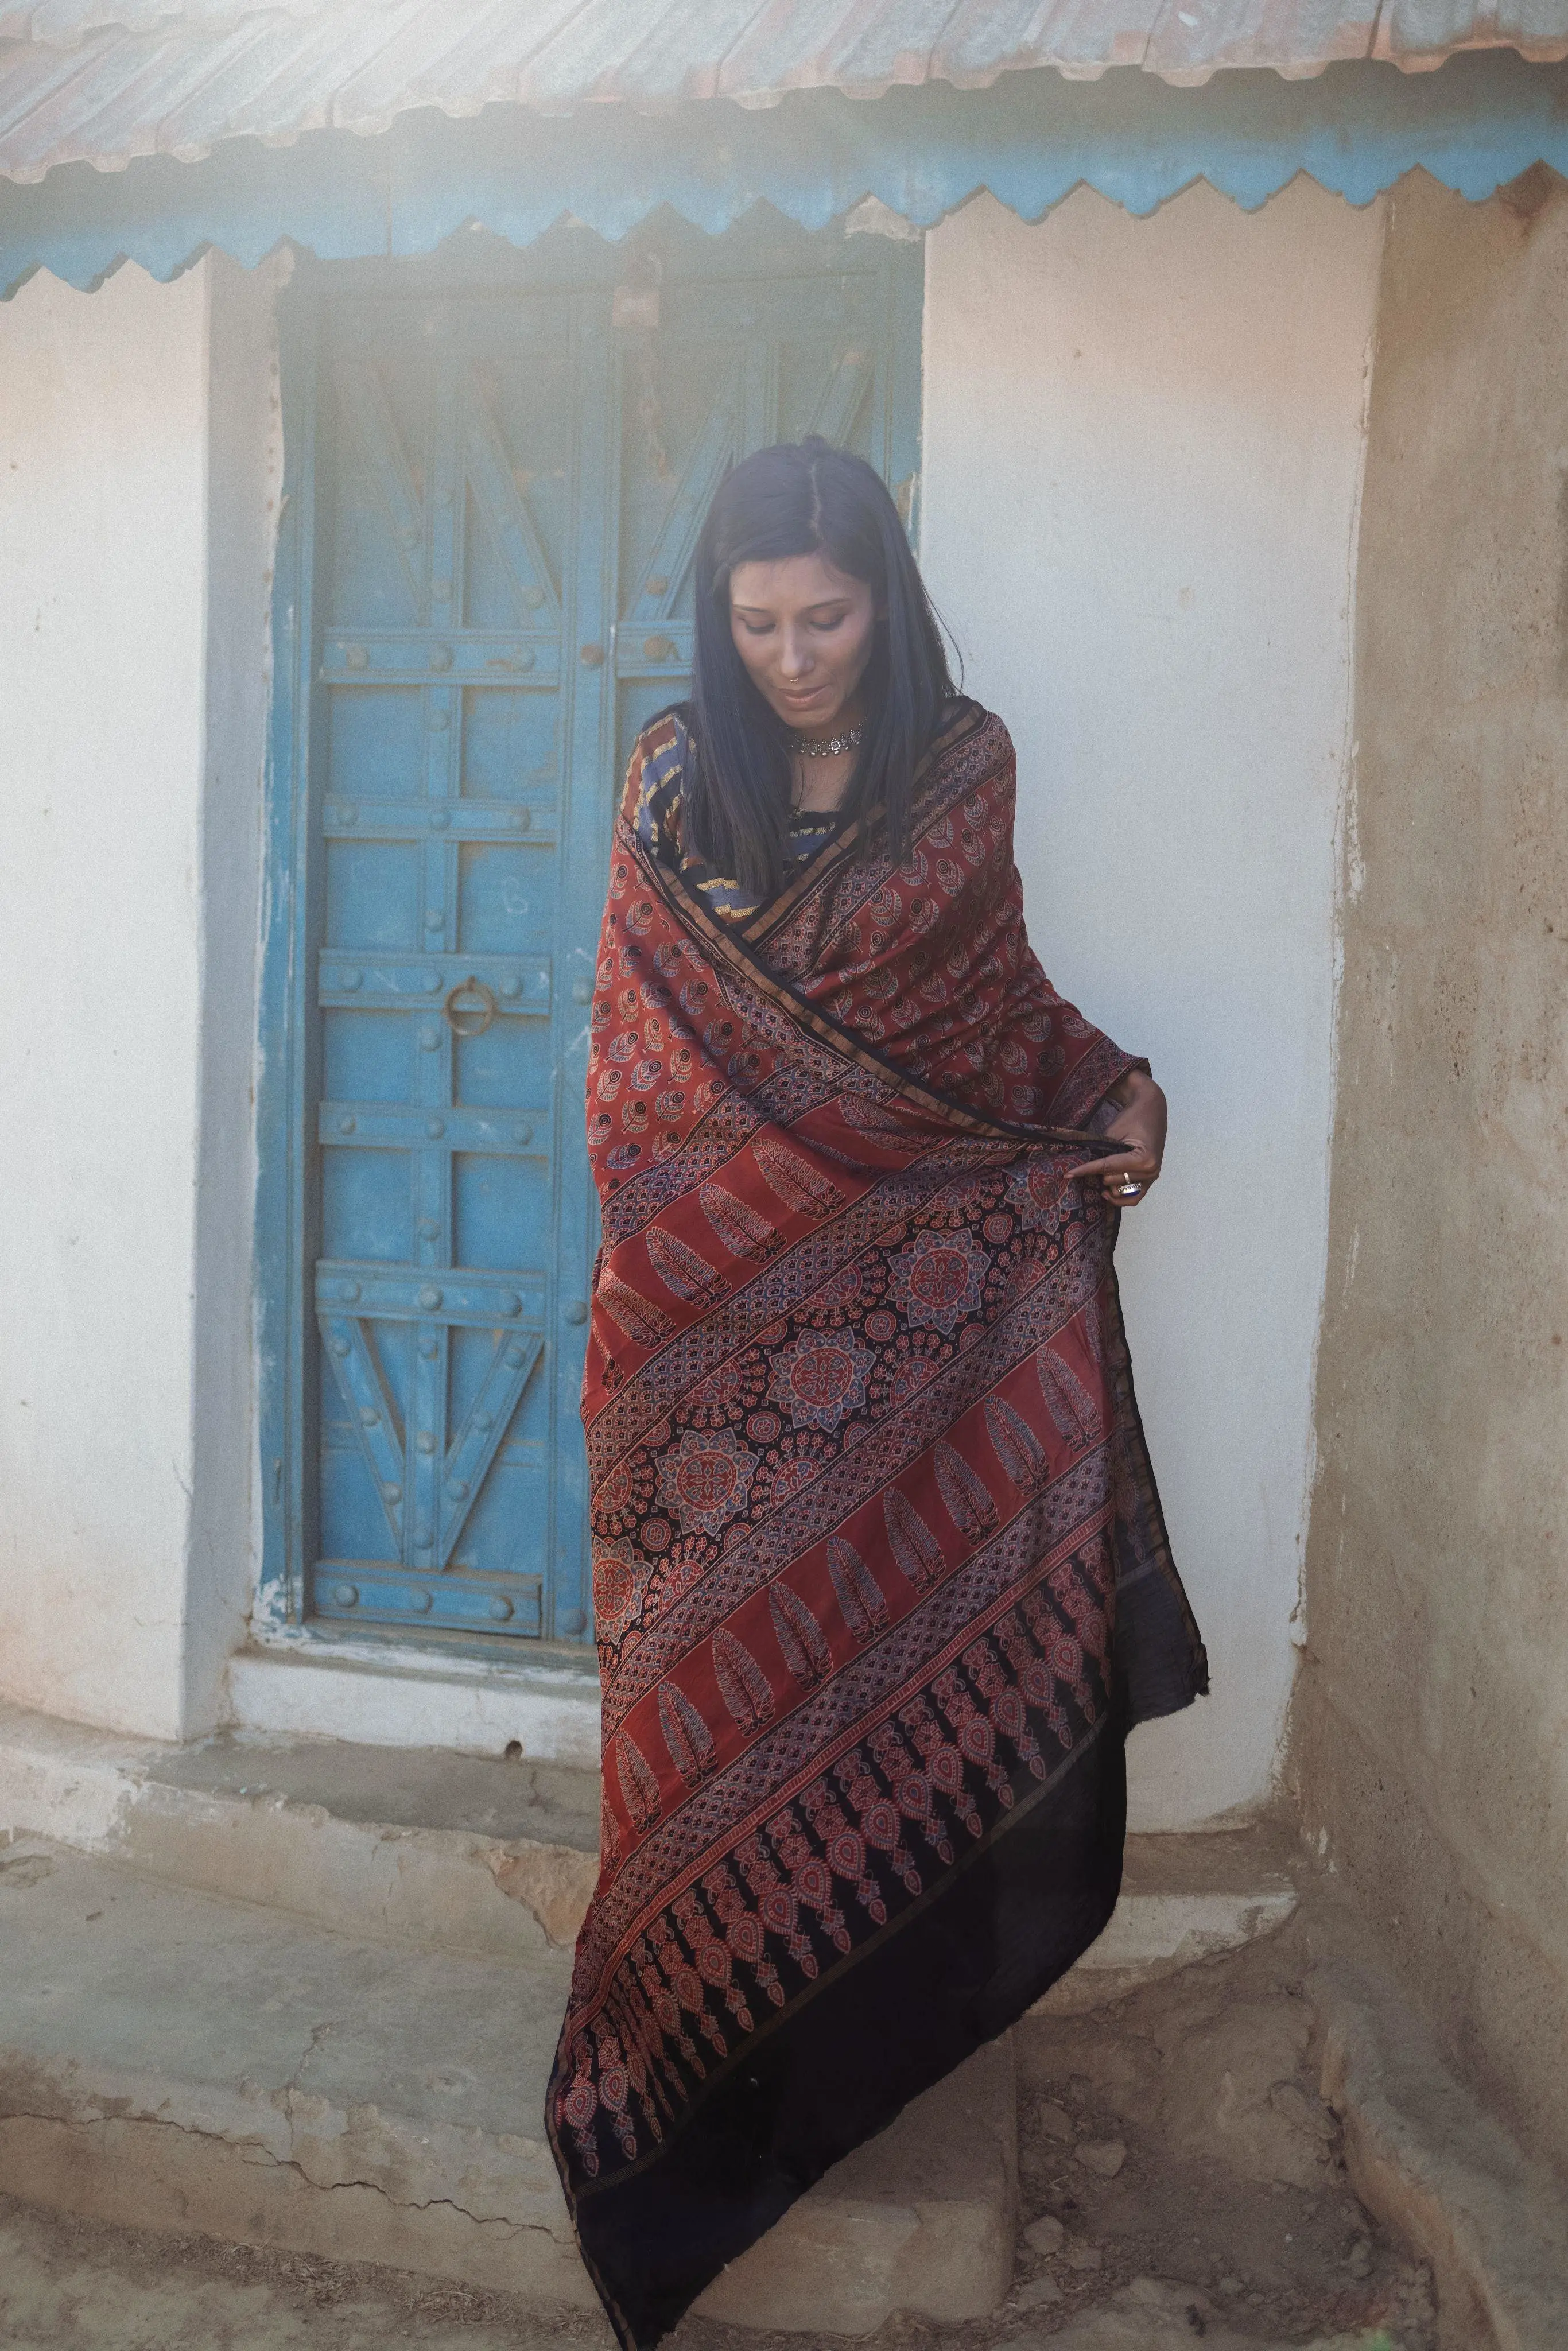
(1431, 1723)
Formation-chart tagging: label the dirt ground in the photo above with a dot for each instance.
(1179, 2181)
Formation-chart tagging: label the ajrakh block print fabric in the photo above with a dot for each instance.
(880, 1573)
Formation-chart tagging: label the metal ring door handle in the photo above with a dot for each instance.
(469, 1020)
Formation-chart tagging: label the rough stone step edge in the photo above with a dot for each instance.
(1426, 2157)
(442, 1889)
(1152, 1934)
(448, 1889)
(921, 2219)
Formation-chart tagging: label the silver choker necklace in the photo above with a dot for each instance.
(830, 749)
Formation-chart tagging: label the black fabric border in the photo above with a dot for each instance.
(841, 2065)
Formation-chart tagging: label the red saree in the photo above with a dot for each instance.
(880, 1573)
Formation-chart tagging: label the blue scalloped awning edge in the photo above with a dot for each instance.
(1030, 139)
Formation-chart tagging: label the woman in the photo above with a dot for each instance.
(880, 1573)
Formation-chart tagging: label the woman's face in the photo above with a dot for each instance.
(804, 631)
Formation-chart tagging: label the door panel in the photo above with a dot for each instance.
(773, 358)
(509, 486)
(446, 488)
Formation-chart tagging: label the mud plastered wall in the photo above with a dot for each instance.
(1432, 1721)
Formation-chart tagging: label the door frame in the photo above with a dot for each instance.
(289, 1056)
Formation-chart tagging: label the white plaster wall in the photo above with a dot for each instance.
(1142, 454)
(103, 466)
(1143, 450)
(245, 487)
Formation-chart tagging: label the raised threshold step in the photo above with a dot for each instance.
(485, 1856)
(185, 2061)
(1184, 1898)
(495, 1857)
(383, 1694)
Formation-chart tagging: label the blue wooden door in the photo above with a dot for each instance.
(505, 479)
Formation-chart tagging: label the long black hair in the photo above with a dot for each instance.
(804, 498)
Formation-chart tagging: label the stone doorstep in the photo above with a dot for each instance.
(1184, 1898)
(471, 1855)
(207, 2054)
(1153, 1934)
(172, 2060)
(476, 1856)
(1437, 2170)
(922, 2219)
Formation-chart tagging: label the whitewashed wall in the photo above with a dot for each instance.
(1143, 451)
(1143, 458)
(102, 591)
(117, 1068)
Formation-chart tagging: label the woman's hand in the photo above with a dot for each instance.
(1139, 1127)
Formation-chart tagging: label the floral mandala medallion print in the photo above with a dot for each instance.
(938, 1279)
(820, 1378)
(619, 1576)
(1034, 1192)
(704, 1482)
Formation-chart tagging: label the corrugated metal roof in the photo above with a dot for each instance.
(920, 152)
(106, 81)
